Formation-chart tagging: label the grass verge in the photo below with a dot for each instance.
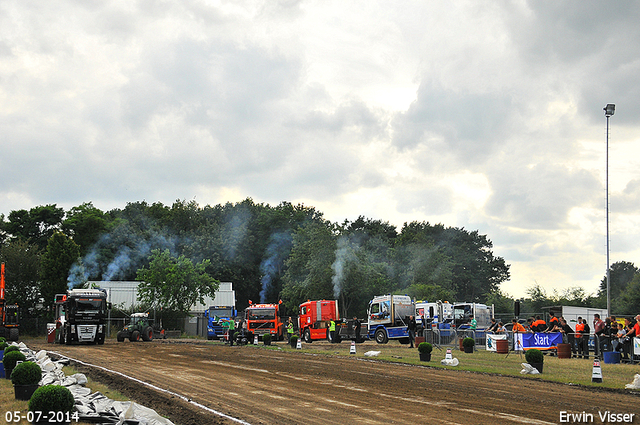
(8, 402)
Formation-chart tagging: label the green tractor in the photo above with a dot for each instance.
(139, 327)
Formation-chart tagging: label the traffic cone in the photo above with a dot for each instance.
(353, 348)
(596, 374)
(255, 340)
(299, 345)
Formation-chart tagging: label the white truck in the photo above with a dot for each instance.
(435, 314)
(571, 314)
(462, 313)
(389, 316)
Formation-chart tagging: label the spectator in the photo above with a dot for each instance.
(473, 323)
(494, 326)
(411, 328)
(553, 321)
(568, 336)
(598, 331)
(618, 343)
(517, 327)
(554, 326)
(539, 325)
(582, 338)
(634, 331)
(500, 329)
(530, 321)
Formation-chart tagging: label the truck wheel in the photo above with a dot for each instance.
(307, 336)
(147, 334)
(120, 337)
(381, 336)
(67, 338)
(135, 336)
(14, 334)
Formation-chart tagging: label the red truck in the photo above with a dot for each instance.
(314, 319)
(265, 319)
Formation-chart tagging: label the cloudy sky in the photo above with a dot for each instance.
(483, 115)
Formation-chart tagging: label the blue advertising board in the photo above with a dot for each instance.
(539, 340)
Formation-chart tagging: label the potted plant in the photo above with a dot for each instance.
(25, 378)
(468, 344)
(10, 360)
(266, 339)
(424, 348)
(294, 341)
(52, 398)
(535, 358)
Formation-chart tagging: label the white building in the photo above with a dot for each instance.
(124, 295)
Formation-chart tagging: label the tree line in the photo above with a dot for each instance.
(285, 252)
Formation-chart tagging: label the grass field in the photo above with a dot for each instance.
(567, 371)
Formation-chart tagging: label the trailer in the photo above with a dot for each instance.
(388, 318)
(9, 314)
(81, 316)
(216, 316)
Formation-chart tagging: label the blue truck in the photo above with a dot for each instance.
(389, 316)
(216, 315)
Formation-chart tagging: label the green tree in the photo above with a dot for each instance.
(621, 272)
(308, 267)
(174, 283)
(35, 226)
(85, 224)
(57, 260)
(22, 262)
(628, 302)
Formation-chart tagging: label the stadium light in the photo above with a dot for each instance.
(609, 110)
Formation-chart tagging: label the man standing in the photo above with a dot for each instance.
(356, 328)
(332, 331)
(232, 330)
(289, 330)
(582, 338)
(411, 328)
(598, 331)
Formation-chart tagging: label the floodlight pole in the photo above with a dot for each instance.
(609, 110)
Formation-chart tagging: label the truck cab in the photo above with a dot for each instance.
(388, 317)
(216, 316)
(264, 318)
(81, 316)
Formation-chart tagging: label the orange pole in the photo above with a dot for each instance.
(2, 282)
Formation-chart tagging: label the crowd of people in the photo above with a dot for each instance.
(611, 334)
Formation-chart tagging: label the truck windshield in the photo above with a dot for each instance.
(261, 313)
(220, 312)
(89, 304)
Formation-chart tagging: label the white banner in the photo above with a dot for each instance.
(636, 346)
(491, 341)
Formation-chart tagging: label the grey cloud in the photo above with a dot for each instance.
(540, 196)
(465, 125)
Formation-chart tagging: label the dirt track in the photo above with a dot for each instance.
(262, 386)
